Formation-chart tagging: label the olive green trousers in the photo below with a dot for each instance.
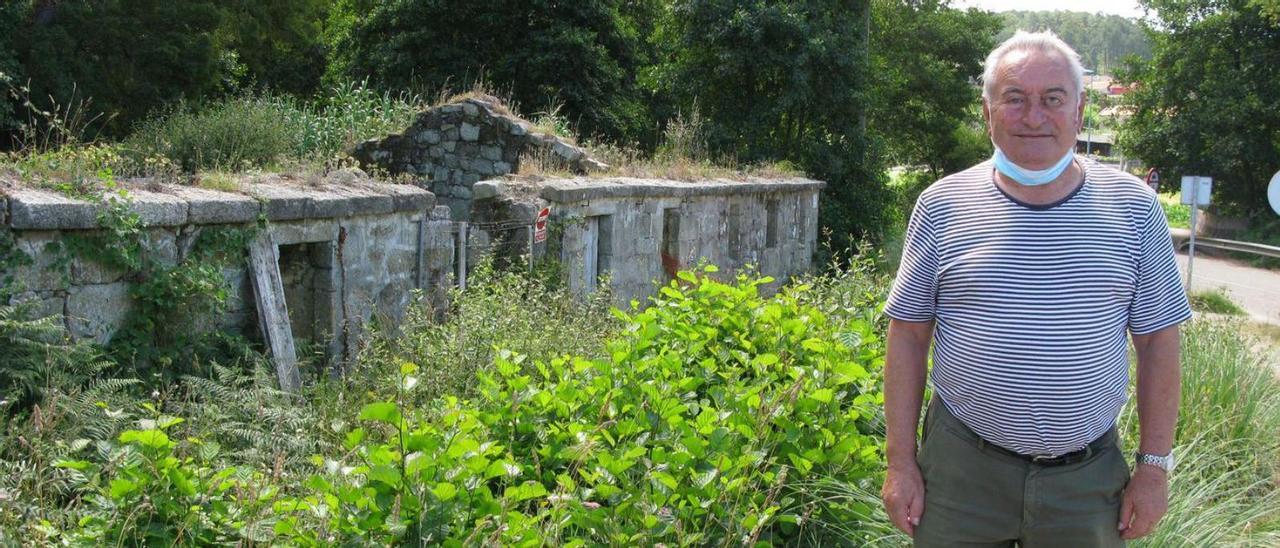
(977, 495)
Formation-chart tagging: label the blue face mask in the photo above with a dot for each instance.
(1031, 177)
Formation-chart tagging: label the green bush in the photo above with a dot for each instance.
(713, 412)
(262, 131)
(234, 134)
(713, 406)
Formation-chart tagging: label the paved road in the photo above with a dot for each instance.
(1256, 290)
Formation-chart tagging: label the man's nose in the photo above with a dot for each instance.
(1035, 114)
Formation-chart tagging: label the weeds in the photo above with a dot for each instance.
(1215, 301)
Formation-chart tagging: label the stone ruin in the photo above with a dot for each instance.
(452, 147)
(346, 248)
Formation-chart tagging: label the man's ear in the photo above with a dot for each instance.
(1080, 111)
(986, 115)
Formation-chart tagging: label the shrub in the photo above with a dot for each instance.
(233, 134)
(1215, 301)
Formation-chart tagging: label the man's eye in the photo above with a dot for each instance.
(1053, 101)
(1014, 100)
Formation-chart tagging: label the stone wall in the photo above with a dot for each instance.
(349, 247)
(448, 149)
(638, 231)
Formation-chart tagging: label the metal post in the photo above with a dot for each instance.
(1191, 254)
(461, 267)
(420, 272)
(531, 229)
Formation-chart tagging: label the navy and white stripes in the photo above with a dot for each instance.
(1033, 303)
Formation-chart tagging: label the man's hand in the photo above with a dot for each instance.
(1145, 501)
(903, 495)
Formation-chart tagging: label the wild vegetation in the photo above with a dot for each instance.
(715, 415)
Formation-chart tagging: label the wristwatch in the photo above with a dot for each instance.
(1163, 462)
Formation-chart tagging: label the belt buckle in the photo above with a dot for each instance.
(1045, 459)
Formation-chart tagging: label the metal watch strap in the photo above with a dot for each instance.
(1163, 462)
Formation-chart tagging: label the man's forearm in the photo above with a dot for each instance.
(904, 378)
(1159, 389)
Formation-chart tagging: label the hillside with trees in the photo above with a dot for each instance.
(1103, 41)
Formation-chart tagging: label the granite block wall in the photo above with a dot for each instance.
(350, 248)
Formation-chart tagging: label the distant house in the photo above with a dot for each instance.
(1097, 143)
(1116, 88)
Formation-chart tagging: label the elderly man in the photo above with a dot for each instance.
(1026, 272)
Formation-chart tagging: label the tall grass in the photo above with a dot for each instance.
(262, 131)
(1226, 489)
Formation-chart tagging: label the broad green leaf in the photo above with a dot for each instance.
(154, 439)
(823, 395)
(525, 491)
(353, 438)
(165, 421)
(383, 411)
(121, 487)
(73, 464)
(444, 491)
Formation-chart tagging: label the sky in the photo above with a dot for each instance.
(1127, 8)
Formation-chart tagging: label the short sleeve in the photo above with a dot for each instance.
(1160, 300)
(915, 290)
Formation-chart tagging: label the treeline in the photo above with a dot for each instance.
(1207, 102)
(1103, 41)
(837, 89)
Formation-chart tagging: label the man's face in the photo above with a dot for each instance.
(1034, 114)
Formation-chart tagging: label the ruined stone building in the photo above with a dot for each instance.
(330, 254)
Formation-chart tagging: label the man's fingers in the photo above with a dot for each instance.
(1140, 527)
(898, 515)
(915, 511)
(1126, 512)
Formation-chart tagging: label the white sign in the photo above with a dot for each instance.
(1273, 193)
(1196, 189)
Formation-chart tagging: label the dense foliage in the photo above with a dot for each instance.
(1103, 41)
(924, 57)
(122, 57)
(1207, 103)
(817, 85)
(714, 415)
(583, 55)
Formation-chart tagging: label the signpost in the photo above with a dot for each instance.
(1196, 191)
(1153, 179)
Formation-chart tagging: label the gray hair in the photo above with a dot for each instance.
(1044, 42)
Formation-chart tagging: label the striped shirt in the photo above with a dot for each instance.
(1032, 303)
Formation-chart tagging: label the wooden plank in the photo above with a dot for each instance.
(591, 254)
(273, 315)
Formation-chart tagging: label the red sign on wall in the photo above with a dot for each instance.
(540, 226)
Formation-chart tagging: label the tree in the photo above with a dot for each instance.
(1207, 103)
(925, 60)
(127, 56)
(278, 44)
(781, 80)
(582, 55)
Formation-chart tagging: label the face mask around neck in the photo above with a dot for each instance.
(1031, 177)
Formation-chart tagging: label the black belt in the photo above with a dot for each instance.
(1073, 457)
